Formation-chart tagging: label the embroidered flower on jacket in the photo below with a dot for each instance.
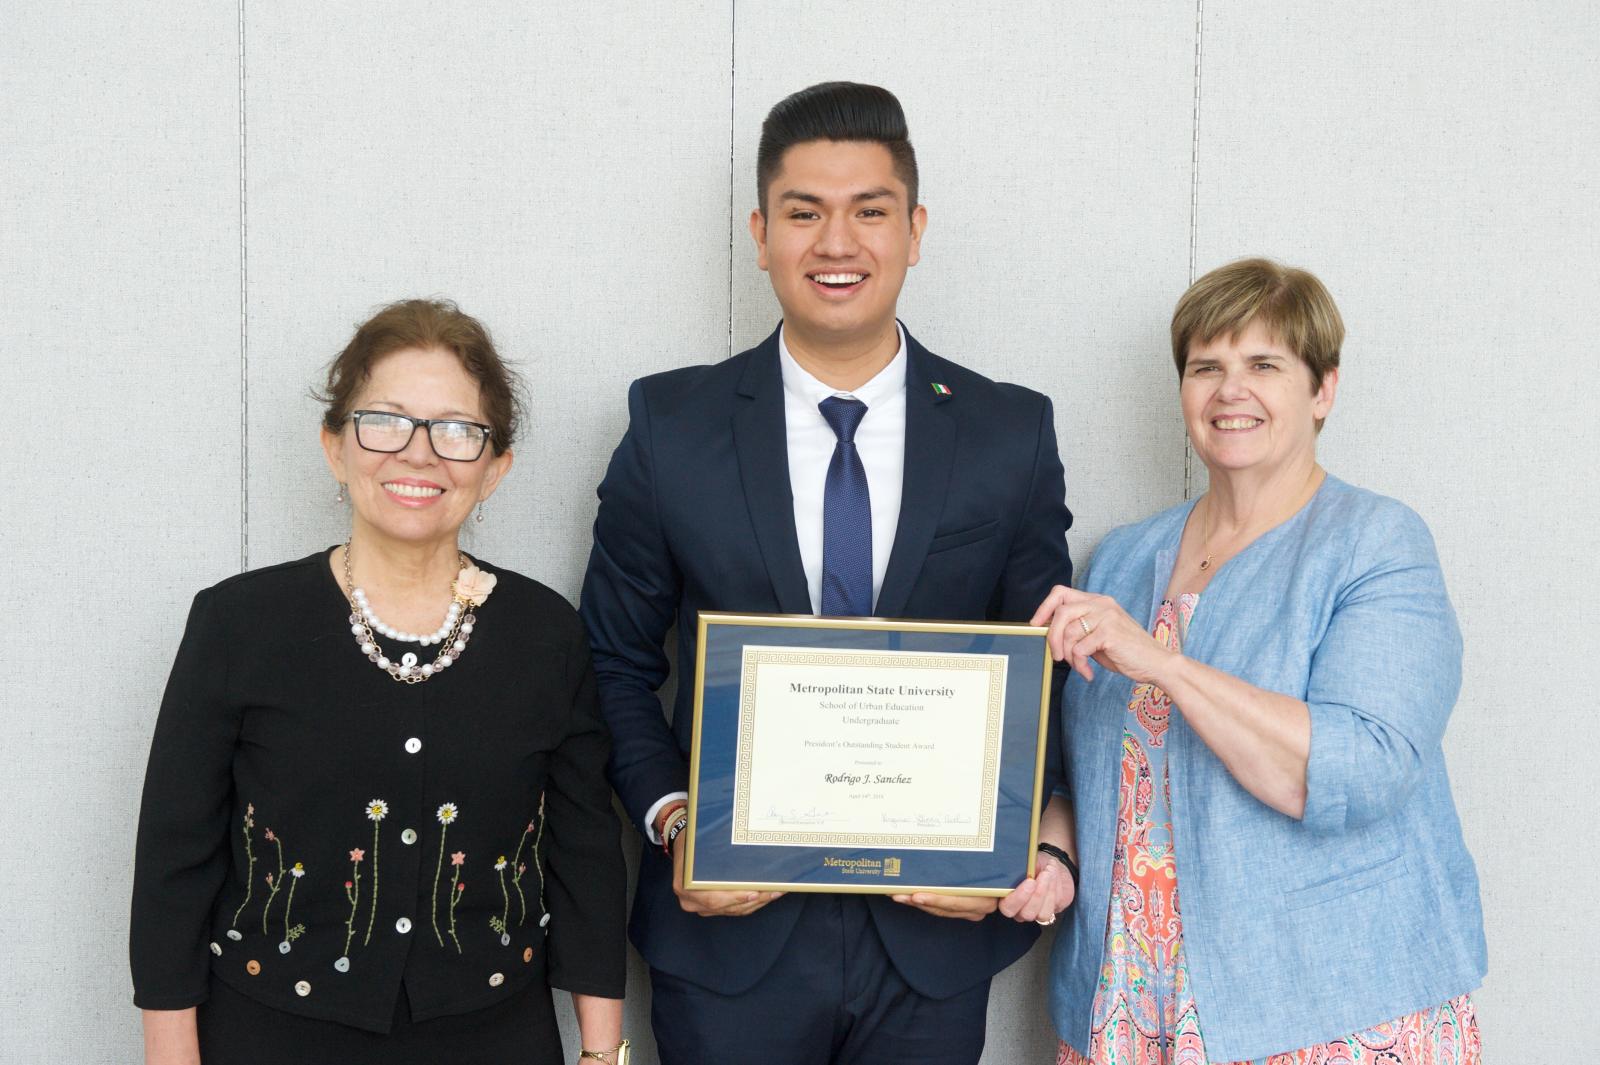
(270, 836)
(446, 813)
(535, 829)
(474, 585)
(291, 932)
(250, 869)
(352, 894)
(499, 924)
(376, 811)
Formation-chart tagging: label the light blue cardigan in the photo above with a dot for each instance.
(1367, 908)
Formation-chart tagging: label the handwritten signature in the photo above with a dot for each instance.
(926, 820)
(793, 816)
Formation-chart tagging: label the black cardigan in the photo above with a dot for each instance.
(291, 781)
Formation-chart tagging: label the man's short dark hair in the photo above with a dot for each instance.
(836, 111)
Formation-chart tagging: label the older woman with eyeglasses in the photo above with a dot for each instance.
(1262, 679)
(376, 823)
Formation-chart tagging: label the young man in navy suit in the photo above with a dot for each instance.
(838, 468)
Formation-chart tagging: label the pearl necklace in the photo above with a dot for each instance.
(364, 608)
(453, 633)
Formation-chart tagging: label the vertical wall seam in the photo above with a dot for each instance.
(1194, 204)
(733, 60)
(244, 315)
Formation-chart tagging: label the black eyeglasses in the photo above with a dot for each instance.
(389, 432)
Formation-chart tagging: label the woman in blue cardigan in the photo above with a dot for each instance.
(1262, 678)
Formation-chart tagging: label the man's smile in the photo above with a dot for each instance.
(837, 281)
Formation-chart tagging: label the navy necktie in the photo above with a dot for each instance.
(846, 517)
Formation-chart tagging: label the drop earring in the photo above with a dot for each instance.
(340, 497)
(480, 512)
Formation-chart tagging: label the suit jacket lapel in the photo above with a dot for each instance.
(930, 451)
(762, 444)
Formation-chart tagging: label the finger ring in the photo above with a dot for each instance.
(1042, 923)
(1084, 625)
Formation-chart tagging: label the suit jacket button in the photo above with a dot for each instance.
(496, 979)
(527, 954)
(403, 925)
(303, 988)
(216, 948)
(252, 967)
(409, 836)
(413, 745)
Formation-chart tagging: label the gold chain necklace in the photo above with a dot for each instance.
(1205, 563)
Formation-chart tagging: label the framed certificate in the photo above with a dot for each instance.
(866, 754)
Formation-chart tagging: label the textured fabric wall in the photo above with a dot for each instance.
(1434, 166)
(196, 205)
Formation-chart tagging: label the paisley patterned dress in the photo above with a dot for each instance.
(1144, 1010)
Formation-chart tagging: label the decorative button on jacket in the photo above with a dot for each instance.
(314, 834)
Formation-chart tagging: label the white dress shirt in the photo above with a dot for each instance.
(881, 443)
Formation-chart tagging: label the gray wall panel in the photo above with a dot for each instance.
(565, 181)
(1054, 159)
(120, 349)
(1426, 161)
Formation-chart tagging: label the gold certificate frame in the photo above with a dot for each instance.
(866, 755)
